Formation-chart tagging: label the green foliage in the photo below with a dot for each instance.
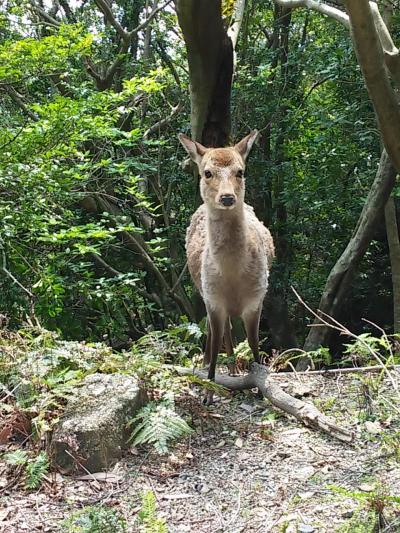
(35, 468)
(16, 458)
(95, 519)
(94, 202)
(361, 351)
(158, 423)
(148, 515)
(321, 356)
(360, 522)
(374, 505)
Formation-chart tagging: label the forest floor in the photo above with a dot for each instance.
(247, 468)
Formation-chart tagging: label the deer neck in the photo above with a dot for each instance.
(226, 231)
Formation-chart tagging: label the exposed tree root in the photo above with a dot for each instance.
(258, 377)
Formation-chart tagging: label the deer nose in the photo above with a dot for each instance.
(227, 200)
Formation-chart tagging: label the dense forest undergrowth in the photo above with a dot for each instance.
(240, 465)
(95, 198)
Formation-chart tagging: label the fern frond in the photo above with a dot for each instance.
(36, 470)
(159, 424)
(18, 457)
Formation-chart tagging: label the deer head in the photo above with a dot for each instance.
(221, 170)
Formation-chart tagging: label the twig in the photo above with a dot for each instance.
(344, 331)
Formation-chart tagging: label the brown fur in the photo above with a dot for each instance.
(229, 250)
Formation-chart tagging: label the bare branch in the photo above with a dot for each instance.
(259, 377)
(163, 122)
(107, 12)
(44, 15)
(17, 98)
(4, 268)
(324, 9)
(143, 25)
(234, 29)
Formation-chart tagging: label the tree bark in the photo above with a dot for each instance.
(370, 55)
(392, 232)
(341, 275)
(210, 58)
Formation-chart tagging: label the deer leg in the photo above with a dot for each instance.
(251, 323)
(207, 351)
(228, 343)
(216, 322)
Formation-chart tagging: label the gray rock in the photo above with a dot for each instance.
(304, 528)
(93, 431)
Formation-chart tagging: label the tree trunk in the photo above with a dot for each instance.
(342, 274)
(392, 232)
(210, 58)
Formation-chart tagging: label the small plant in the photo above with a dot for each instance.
(148, 515)
(391, 444)
(374, 504)
(34, 468)
(321, 356)
(94, 519)
(158, 424)
(359, 352)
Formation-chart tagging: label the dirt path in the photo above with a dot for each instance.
(247, 468)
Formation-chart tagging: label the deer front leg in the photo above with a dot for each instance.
(216, 321)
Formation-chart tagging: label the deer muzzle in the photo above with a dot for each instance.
(227, 200)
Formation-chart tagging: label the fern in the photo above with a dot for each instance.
(36, 470)
(148, 514)
(158, 423)
(18, 457)
(95, 519)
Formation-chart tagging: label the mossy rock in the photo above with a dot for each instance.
(93, 432)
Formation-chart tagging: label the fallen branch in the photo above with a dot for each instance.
(259, 377)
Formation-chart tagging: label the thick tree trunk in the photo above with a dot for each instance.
(370, 55)
(342, 274)
(392, 232)
(210, 58)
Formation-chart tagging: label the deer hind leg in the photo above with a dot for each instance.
(207, 351)
(216, 327)
(228, 343)
(251, 323)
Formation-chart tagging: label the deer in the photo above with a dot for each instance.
(229, 250)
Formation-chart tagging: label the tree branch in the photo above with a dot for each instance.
(109, 15)
(259, 377)
(163, 122)
(234, 29)
(314, 5)
(154, 12)
(104, 82)
(114, 273)
(17, 98)
(370, 57)
(44, 15)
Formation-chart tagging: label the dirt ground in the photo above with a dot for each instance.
(247, 468)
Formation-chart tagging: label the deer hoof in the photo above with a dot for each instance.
(208, 398)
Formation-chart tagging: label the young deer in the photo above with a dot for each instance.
(229, 250)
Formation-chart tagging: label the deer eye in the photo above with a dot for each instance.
(239, 173)
(207, 174)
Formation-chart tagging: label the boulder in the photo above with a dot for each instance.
(93, 432)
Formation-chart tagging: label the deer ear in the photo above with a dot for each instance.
(244, 146)
(193, 148)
